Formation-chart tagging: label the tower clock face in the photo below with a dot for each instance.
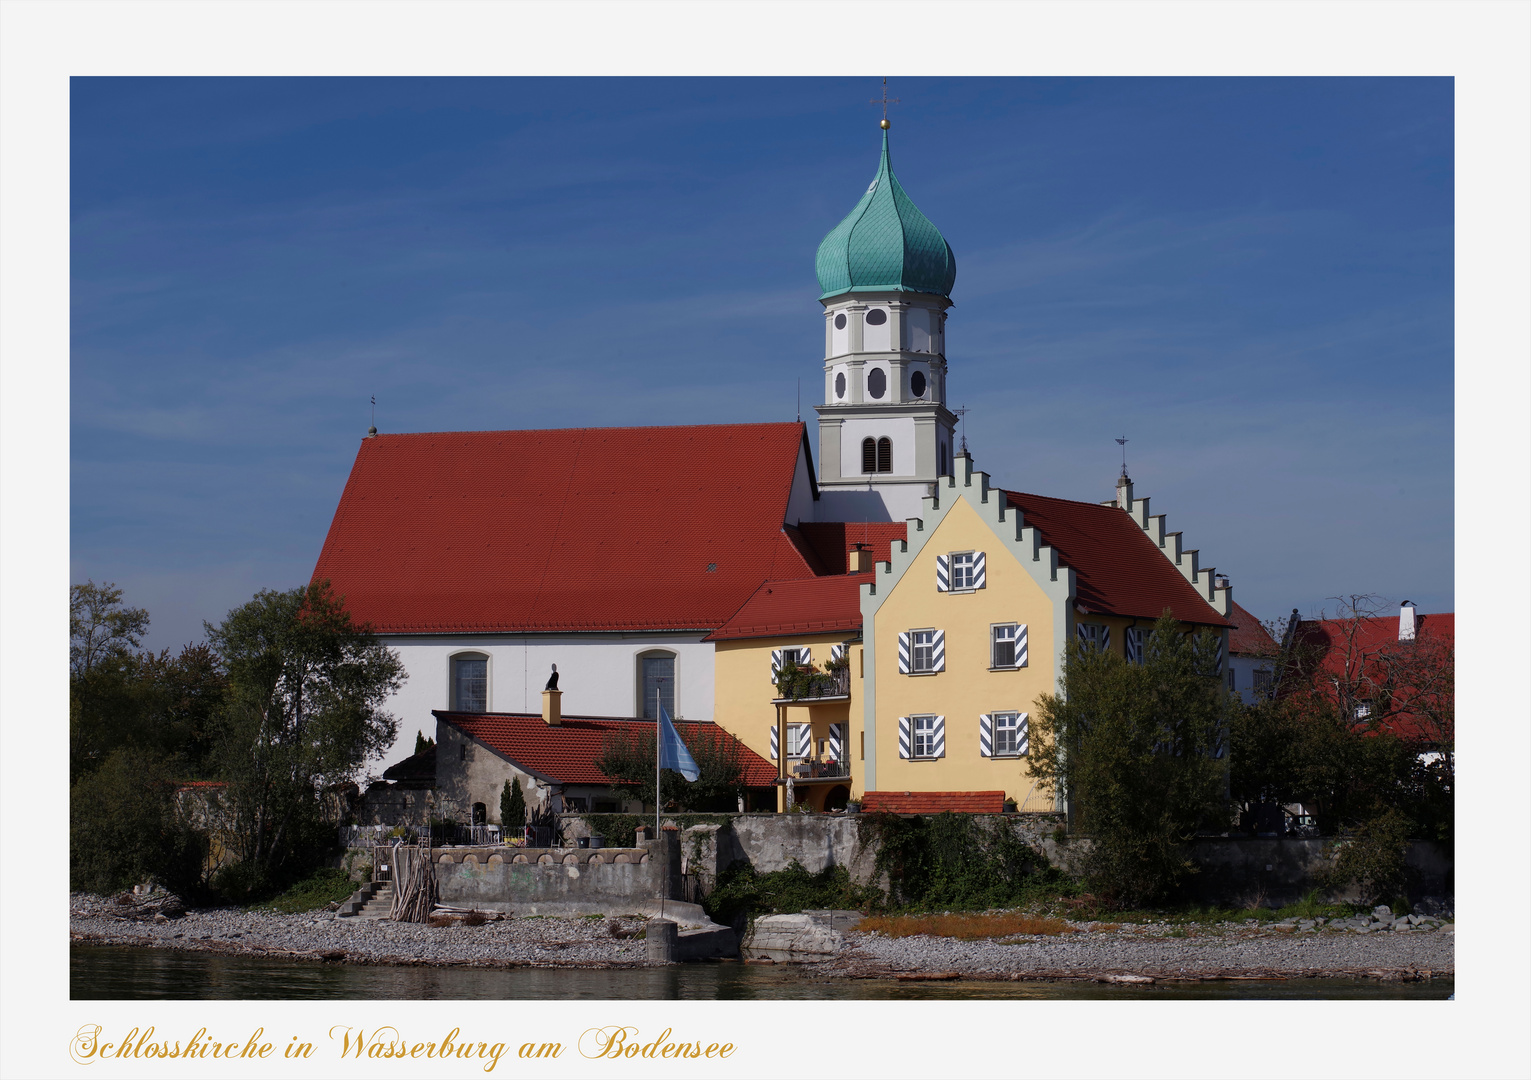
(840, 384)
(917, 383)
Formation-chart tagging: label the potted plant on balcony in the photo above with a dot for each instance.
(1010, 805)
(794, 681)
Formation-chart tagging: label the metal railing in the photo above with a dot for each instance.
(827, 684)
(811, 769)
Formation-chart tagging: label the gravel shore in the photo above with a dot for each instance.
(1379, 948)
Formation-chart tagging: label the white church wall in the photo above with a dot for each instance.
(876, 336)
(839, 333)
(800, 502)
(898, 428)
(917, 330)
(598, 674)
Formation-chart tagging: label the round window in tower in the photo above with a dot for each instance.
(917, 384)
(839, 384)
(840, 321)
(877, 383)
(876, 317)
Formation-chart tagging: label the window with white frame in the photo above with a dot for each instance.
(470, 682)
(1002, 648)
(793, 657)
(656, 684)
(1262, 683)
(922, 652)
(924, 736)
(962, 570)
(799, 740)
(1008, 737)
(1094, 636)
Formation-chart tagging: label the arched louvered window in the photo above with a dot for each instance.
(868, 455)
(885, 454)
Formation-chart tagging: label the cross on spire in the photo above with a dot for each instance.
(962, 419)
(1122, 442)
(885, 101)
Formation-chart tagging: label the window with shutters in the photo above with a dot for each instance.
(1263, 684)
(962, 570)
(885, 454)
(1007, 734)
(877, 455)
(924, 736)
(1233, 683)
(470, 682)
(1094, 636)
(1137, 639)
(922, 652)
(793, 657)
(799, 740)
(1002, 651)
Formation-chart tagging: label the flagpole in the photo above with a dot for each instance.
(658, 706)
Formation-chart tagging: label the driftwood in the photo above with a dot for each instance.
(414, 884)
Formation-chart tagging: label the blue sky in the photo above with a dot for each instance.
(1250, 278)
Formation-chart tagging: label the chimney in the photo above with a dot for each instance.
(1124, 491)
(552, 707)
(858, 560)
(1221, 581)
(1406, 622)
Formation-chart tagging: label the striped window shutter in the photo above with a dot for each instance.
(804, 739)
(1105, 639)
(939, 738)
(978, 563)
(943, 573)
(775, 663)
(836, 741)
(1082, 632)
(903, 654)
(1217, 666)
(1023, 734)
(775, 743)
(1134, 640)
(836, 653)
(985, 735)
(904, 748)
(938, 650)
(804, 656)
(1020, 646)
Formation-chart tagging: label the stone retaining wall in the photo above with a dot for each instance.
(558, 881)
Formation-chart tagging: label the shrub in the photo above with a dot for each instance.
(954, 861)
(742, 890)
(320, 889)
(1373, 860)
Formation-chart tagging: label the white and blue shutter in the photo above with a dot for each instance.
(903, 655)
(775, 743)
(985, 735)
(938, 652)
(938, 738)
(804, 656)
(1021, 657)
(943, 573)
(1022, 735)
(1134, 641)
(1105, 639)
(836, 741)
(775, 663)
(804, 733)
(836, 653)
(1082, 632)
(905, 739)
(978, 571)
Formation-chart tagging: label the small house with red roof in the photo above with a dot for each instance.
(1252, 656)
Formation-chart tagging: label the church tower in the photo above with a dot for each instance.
(885, 433)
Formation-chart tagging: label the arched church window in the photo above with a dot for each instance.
(868, 455)
(839, 384)
(885, 455)
(470, 682)
(876, 317)
(656, 684)
(877, 383)
(917, 384)
(840, 321)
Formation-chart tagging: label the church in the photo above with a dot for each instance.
(682, 566)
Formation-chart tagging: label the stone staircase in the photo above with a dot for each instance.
(373, 900)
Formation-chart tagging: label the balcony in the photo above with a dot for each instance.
(818, 770)
(798, 686)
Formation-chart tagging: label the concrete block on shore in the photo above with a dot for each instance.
(791, 938)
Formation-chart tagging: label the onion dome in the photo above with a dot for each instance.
(885, 243)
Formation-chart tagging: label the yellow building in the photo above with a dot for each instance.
(964, 626)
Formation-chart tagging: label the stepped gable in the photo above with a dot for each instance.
(1118, 569)
(933, 802)
(816, 605)
(566, 753)
(660, 528)
(832, 539)
(1248, 637)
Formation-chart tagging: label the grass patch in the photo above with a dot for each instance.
(319, 890)
(964, 927)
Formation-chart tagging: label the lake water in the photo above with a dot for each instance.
(122, 973)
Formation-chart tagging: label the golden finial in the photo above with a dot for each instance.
(884, 101)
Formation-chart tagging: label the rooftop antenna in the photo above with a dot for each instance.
(799, 399)
(1122, 442)
(885, 101)
(373, 429)
(962, 419)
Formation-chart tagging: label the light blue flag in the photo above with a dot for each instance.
(672, 752)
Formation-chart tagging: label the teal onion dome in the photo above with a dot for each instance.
(885, 243)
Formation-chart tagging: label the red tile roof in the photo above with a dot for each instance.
(566, 753)
(1248, 637)
(819, 605)
(832, 539)
(1118, 569)
(576, 529)
(933, 802)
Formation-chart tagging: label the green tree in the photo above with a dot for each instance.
(124, 826)
(512, 805)
(628, 758)
(100, 627)
(1134, 747)
(303, 712)
(422, 744)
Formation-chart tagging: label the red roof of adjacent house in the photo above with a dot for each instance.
(818, 605)
(566, 753)
(1248, 637)
(831, 540)
(657, 528)
(1117, 568)
(933, 802)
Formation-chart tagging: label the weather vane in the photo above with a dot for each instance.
(884, 101)
(1122, 442)
(962, 419)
